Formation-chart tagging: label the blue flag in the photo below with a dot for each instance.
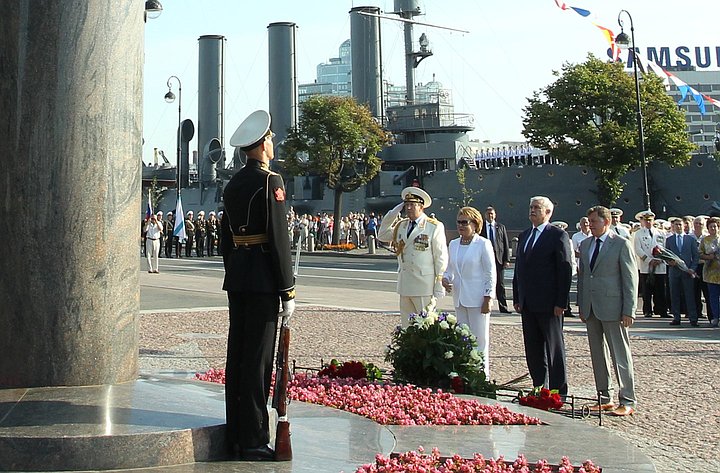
(179, 229)
(149, 211)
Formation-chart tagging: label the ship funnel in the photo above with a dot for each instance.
(211, 103)
(282, 73)
(365, 44)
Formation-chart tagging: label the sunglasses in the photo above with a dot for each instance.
(463, 222)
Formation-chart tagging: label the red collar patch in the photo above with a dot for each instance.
(279, 194)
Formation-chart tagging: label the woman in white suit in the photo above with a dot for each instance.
(471, 277)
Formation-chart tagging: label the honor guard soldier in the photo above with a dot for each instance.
(421, 248)
(258, 279)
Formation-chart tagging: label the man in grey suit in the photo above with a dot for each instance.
(606, 289)
(681, 283)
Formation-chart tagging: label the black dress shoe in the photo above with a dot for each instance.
(648, 315)
(694, 324)
(665, 316)
(262, 453)
(505, 311)
(675, 322)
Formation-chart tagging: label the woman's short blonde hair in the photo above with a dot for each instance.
(474, 215)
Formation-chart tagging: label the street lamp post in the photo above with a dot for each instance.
(623, 41)
(170, 98)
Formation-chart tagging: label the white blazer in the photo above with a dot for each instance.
(474, 276)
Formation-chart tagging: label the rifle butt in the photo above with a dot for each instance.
(283, 447)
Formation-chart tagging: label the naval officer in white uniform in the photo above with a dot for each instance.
(421, 248)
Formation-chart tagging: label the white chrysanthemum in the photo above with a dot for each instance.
(449, 354)
(452, 374)
(474, 355)
(451, 319)
(444, 325)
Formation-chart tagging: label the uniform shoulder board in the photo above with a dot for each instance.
(434, 221)
(272, 173)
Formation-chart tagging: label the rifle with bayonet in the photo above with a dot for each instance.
(283, 448)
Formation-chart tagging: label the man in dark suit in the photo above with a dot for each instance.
(258, 276)
(607, 299)
(681, 283)
(496, 233)
(541, 287)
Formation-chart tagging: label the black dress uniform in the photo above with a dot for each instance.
(258, 274)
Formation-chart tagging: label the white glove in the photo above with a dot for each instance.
(438, 290)
(395, 210)
(288, 308)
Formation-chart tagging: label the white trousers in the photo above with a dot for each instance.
(479, 324)
(412, 305)
(152, 250)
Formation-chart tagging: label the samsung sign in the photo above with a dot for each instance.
(702, 57)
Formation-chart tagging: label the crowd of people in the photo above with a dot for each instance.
(354, 228)
(202, 237)
(670, 264)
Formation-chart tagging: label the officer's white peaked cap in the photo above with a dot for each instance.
(415, 194)
(251, 131)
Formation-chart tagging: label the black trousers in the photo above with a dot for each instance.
(701, 289)
(653, 294)
(189, 244)
(545, 349)
(249, 366)
(200, 245)
(500, 286)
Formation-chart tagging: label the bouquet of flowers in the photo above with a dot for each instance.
(436, 351)
(542, 398)
(668, 256)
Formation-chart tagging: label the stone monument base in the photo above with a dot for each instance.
(150, 422)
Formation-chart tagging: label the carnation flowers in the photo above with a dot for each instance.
(417, 461)
(396, 404)
(436, 351)
(542, 398)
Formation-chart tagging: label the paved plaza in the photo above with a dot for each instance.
(676, 368)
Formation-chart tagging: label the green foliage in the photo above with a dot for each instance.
(156, 193)
(588, 117)
(340, 139)
(434, 349)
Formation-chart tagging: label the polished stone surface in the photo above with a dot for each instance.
(174, 425)
(71, 101)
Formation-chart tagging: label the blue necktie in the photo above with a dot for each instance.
(411, 227)
(595, 253)
(491, 234)
(531, 242)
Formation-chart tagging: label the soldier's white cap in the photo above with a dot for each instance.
(212, 212)
(415, 194)
(560, 224)
(202, 212)
(616, 212)
(189, 212)
(252, 131)
(170, 213)
(159, 212)
(643, 214)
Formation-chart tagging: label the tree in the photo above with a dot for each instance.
(588, 117)
(337, 139)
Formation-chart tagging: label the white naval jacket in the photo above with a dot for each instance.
(422, 256)
(643, 244)
(474, 276)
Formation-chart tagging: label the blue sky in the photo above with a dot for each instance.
(510, 51)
